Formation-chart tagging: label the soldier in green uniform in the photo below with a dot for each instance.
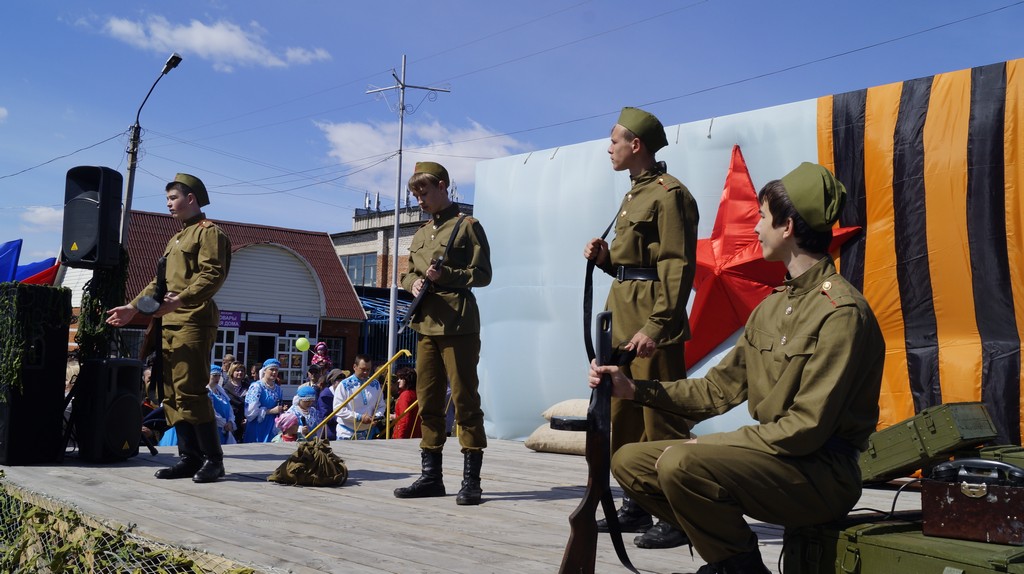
(198, 258)
(448, 324)
(653, 258)
(809, 363)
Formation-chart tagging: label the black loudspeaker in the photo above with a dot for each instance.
(32, 418)
(107, 409)
(92, 218)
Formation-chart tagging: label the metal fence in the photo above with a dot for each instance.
(373, 335)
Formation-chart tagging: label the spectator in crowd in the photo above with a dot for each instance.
(288, 427)
(254, 373)
(222, 413)
(406, 416)
(325, 402)
(236, 386)
(305, 409)
(263, 404)
(356, 419)
(321, 358)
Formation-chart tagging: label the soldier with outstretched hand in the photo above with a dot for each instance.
(198, 258)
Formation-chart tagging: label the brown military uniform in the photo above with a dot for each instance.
(198, 258)
(448, 323)
(656, 228)
(810, 364)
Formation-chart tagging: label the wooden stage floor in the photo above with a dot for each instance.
(521, 527)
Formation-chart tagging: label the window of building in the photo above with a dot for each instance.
(293, 361)
(336, 351)
(361, 268)
(224, 344)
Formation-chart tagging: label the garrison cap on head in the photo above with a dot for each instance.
(816, 194)
(645, 126)
(435, 169)
(197, 187)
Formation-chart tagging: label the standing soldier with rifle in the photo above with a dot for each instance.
(653, 258)
(198, 258)
(449, 255)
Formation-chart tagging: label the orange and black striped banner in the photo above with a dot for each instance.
(933, 169)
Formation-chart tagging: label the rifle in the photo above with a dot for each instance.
(152, 341)
(427, 283)
(581, 550)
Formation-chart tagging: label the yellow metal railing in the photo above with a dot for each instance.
(385, 368)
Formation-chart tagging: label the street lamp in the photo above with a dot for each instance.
(133, 148)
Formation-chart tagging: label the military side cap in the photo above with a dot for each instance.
(816, 194)
(645, 126)
(435, 169)
(196, 186)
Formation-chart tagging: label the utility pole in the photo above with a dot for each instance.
(401, 86)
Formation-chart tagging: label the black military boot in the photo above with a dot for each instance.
(429, 483)
(746, 563)
(662, 535)
(209, 443)
(632, 518)
(470, 492)
(190, 459)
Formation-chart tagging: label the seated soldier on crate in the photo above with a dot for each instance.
(809, 363)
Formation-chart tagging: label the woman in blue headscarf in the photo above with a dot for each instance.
(263, 404)
(222, 413)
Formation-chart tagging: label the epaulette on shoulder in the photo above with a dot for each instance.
(668, 182)
(207, 223)
(838, 293)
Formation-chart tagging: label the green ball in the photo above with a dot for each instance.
(302, 344)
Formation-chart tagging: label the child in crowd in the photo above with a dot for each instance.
(288, 424)
(320, 357)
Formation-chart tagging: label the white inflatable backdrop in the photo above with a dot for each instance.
(540, 209)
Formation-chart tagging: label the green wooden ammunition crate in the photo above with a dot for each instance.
(853, 546)
(926, 438)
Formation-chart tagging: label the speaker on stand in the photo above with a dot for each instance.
(32, 402)
(106, 412)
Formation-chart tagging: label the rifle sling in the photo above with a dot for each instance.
(602, 422)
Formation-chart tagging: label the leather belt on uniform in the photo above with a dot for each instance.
(840, 446)
(636, 273)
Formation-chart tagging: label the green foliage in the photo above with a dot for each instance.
(104, 291)
(27, 312)
(33, 539)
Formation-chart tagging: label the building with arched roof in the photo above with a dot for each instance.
(283, 284)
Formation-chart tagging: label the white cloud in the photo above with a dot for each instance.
(304, 56)
(458, 149)
(223, 43)
(3, 114)
(42, 219)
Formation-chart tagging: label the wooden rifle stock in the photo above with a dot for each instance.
(580, 554)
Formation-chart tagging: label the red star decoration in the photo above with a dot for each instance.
(732, 276)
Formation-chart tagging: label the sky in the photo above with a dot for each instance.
(269, 105)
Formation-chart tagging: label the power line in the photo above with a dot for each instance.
(49, 161)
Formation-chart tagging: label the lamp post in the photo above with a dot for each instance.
(133, 149)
